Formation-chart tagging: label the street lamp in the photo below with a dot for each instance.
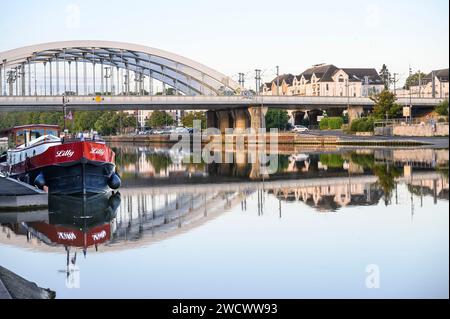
(65, 101)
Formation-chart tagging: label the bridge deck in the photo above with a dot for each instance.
(49, 103)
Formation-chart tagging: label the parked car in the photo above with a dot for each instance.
(300, 157)
(300, 129)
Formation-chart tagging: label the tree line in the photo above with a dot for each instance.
(104, 122)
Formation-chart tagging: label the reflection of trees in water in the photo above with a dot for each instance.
(443, 171)
(366, 161)
(332, 160)
(283, 163)
(123, 158)
(386, 179)
(159, 161)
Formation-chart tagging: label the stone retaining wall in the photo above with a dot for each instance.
(420, 130)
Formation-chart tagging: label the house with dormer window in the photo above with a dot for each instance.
(329, 80)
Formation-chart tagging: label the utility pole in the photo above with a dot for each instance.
(395, 83)
(347, 85)
(410, 97)
(107, 76)
(241, 79)
(258, 80)
(65, 101)
(278, 80)
(433, 84)
(420, 84)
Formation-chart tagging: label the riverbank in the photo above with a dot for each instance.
(313, 138)
(13, 286)
(15, 195)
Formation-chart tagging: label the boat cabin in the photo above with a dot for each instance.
(23, 135)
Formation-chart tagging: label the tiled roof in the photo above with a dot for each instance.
(442, 74)
(358, 75)
(288, 78)
(323, 72)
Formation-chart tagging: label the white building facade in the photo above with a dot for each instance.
(327, 80)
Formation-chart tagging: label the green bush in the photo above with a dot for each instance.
(365, 124)
(323, 124)
(332, 160)
(335, 123)
(442, 108)
(331, 123)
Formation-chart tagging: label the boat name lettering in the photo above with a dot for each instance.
(100, 235)
(65, 153)
(97, 151)
(66, 236)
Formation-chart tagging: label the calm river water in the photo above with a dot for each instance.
(329, 223)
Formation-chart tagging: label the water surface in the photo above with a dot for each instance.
(322, 226)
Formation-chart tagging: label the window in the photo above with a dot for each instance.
(341, 79)
(327, 87)
(20, 137)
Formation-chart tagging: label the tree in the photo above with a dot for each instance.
(276, 118)
(442, 108)
(85, 120)
(105, 124)
(414, 79)
(385, 103)
(110, 122)
(169, 91)
(188, 119)
(159, 119)
(385, 76)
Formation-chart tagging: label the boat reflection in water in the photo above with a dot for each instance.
(76, 223)
(373, 195)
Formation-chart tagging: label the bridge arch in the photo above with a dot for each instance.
(184, 75)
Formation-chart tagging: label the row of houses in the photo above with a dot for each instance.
(435, 84)
(329, 80)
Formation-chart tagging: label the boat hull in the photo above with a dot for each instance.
(72, 168)
(78, 178)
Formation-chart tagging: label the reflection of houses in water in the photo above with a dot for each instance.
(331, 197)
(154, 165)
(417, 158)
(150, 212)
(438, 188)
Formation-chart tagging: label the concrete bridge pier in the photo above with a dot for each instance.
(211, 119)
(258, 117)
(240, 119)
(354, 112)
(312, 116)
(223, 118)
(291, 114)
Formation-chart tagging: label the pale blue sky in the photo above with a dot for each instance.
(238, 36)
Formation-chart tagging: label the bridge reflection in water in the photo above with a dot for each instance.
(161, 198)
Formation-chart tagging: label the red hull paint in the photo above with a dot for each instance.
(65, 154)
(74, 237)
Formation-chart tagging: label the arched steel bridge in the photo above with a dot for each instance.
(105, 68)
(99, 75)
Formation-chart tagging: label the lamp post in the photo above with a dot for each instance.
(65, 101)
